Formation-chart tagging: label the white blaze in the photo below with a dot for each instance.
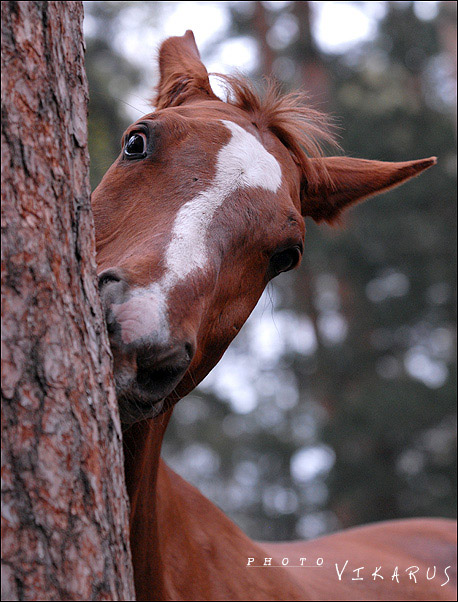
(242, 163)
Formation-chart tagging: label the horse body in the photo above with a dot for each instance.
(204, 206)
(185, 548)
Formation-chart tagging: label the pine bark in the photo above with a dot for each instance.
(65, 510)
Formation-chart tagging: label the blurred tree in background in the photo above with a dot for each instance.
(110, 76)
(335, 404)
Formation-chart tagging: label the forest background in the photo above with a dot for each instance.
(335, 405)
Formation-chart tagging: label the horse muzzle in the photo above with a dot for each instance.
(148, 362)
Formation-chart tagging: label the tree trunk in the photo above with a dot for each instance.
(64, 512)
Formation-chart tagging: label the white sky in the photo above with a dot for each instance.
(337, 27)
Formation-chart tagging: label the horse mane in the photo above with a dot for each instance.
(305, 131)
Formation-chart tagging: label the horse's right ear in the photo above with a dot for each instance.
(183, 77)
(346, 181)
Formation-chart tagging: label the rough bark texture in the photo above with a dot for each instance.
(64, 513)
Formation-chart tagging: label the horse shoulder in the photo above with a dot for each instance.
(204, 544)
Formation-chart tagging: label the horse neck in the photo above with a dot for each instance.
(184, 547)
(142, 449)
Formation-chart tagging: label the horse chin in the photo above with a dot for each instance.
(136, 405)
(137, 401)
(141, 395)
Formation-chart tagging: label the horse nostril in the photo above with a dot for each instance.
(113, 289)
(110, 275)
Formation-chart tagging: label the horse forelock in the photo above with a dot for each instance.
(305, 131)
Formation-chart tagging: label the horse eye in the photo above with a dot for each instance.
(135, 146)
(286, 260)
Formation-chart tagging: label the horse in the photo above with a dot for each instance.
(203, 207)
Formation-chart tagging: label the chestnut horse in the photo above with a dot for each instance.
(205, 204)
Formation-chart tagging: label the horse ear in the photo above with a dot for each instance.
(183, 76)
(345, 181)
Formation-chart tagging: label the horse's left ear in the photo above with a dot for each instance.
(183, 76)
(349, 181)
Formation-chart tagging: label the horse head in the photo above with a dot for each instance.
(205, 204)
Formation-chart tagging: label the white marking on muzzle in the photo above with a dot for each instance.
(143, 314)
(242, 163)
